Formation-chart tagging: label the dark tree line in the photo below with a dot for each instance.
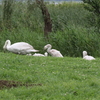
(94, 7)
(8, 10)
(91, 5)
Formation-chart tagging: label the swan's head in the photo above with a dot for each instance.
(46, 54)
(7, 43)
(84, 53)
(47, 46)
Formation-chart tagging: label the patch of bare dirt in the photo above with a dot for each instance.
(9, 84)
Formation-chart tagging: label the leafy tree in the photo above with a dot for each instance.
(94, 7)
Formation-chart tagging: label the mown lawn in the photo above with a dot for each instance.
(61, 78)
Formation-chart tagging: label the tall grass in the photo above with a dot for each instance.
(72, 42)
(72, 31)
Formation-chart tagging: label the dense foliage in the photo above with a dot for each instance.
(94, 7)
(73, 27)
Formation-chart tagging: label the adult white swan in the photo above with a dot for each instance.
(19, 47)
(87, 57)
(52, 52)
(38, 54)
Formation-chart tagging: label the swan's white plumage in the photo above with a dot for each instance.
(87, 57)
(38, 54)
(19, 47)
(52, 52)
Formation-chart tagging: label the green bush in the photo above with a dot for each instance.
(72, 42)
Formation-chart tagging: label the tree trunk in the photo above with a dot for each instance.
(46, 16)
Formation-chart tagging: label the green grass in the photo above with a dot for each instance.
(68, 78)
(61, 78)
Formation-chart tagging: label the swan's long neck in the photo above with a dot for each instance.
(7, 44)
(84, 54)
(49, 48)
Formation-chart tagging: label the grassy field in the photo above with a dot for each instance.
(61, 78)
(68, 78)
